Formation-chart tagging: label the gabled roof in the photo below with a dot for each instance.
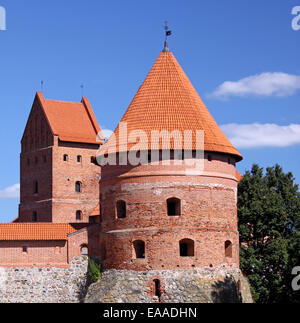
(72, 121)
(36, 231)
(168, 101)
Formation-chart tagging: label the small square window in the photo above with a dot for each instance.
(24, 249)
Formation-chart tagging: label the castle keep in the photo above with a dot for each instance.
(153, 224)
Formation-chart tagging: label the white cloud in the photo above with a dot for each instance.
(265, 84)
(258, 135)
(10, 192)
(107, 133)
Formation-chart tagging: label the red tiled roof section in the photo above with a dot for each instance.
(96, 211)
(72, 121)
(36, 231)
(168, 101)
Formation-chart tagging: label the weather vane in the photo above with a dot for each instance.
(168, 33)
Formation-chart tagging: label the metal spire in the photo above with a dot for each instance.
(168, 33)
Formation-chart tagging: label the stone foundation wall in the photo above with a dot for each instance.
(44, 285)
(219, 285)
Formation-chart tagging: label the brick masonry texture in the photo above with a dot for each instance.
(208, 216)
(42, 161)
(219, 285)
(44, 285)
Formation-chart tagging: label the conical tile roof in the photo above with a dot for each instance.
(168, 101)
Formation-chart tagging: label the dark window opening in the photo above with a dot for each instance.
(157, 288)
(187, 248)
(228, 249)
(103, 252)
(93, 160)
(174, 207)
(139, 249)
(66, 158)
(35, 188)
(78, 187)
(209, 158)
(121, 209)
(229, 161)
(78, 215)
(24, 249)
(79, 159)
(34, 216)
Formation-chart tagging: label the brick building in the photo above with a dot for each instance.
(59, 207)
(157, 215)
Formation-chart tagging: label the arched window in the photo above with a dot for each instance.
(174, 207)
(78, 215)
(78, 187)
(187, 248)
(84, 251)
(66, 158)
(139, 249)
(121, 209)
(228, 249)
(34, 216)
(35, 187)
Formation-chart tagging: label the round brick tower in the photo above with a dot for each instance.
(158, 215)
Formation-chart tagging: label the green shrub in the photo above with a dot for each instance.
(94, 270)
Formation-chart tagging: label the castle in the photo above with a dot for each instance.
(156, 216)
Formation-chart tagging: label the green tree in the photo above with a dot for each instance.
(269, 224)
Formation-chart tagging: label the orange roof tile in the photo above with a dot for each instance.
(168, 101)
(72, 121)
(96, 211)
(36, 231)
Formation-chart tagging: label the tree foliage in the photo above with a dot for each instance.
(269, 226)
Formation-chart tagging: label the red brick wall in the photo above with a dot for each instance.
(208, 215)
(39, 253)
(42, 162)
(88, 237)
(66, 201)
(36, 165)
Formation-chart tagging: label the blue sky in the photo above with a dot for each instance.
(241, 56)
